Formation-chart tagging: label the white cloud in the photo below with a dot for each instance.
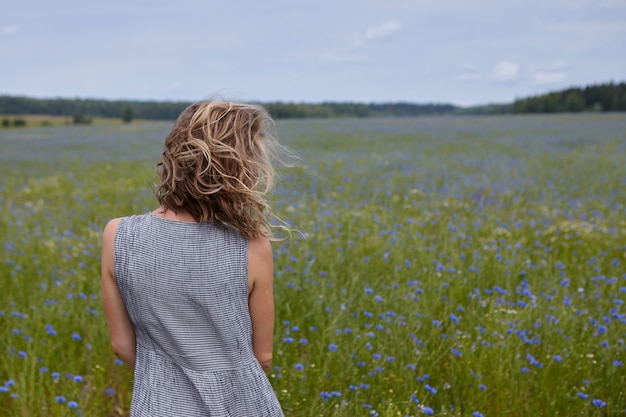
(469, 72)
(382, 31)
(546, 77)
(359, 53)
(8, 30)
(506, 71)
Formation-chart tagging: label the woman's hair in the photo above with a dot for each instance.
(218, 165)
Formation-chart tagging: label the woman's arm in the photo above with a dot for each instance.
(261, 299)
(121, 328)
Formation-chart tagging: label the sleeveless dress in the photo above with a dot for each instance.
(185, 286)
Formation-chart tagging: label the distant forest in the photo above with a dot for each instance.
(603, 97)
(169, 110)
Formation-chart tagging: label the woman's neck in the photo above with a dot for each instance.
(180, 216)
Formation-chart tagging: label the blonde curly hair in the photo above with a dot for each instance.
(218, 166)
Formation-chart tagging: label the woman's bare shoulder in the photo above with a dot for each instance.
(259, 246)
(260, 262)
(111, 227)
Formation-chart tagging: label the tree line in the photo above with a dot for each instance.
(602, 97)
(155, 110)
(169, 110)
(609, 97)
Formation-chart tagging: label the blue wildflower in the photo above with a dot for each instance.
(598, 403)
(430, 389)
(533, 361)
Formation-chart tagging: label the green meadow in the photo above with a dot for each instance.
(447, 266)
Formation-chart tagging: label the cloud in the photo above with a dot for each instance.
(548, 72)
(8, 30)
(382, 31)
(359, 51)
(548, 77)
(469, 72)
(506, 71)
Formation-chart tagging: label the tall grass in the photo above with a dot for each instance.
(445, 266)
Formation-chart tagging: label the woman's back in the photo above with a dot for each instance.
(185, 287)
(189, 305)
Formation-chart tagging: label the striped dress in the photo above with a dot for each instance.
(185, 286)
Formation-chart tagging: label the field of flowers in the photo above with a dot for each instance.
(451, 266)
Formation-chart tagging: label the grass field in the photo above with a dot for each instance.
(451, 266)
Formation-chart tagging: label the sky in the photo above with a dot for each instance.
(419, 51)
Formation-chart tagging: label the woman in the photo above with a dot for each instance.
(187, 288)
